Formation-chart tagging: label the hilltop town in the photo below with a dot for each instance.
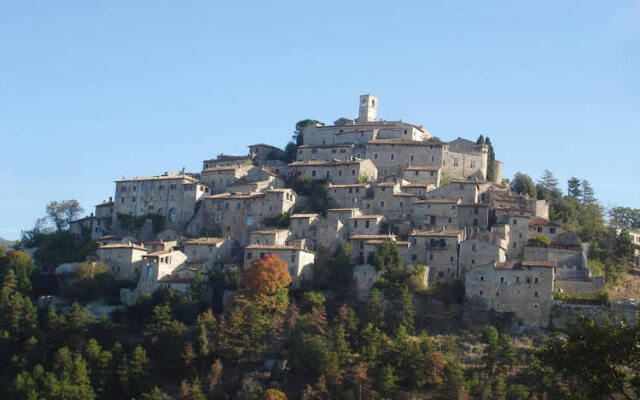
(443, 204)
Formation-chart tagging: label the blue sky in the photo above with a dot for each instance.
(94, 91)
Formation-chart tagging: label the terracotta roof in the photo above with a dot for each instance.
(122, 246)
(422, 168)
(221, 168)
(473, 205)
(308, 146)
(435, 233)
(437, 201)
(378, 241)
(206, 240)
(404, 194)
(303, 215)
(546, 264)
(417, 185)
(342, 209)
(373, 237)
(386, 184)
(275, 247)
(157, 253)
(328, 163)
(406, 142)
(268, 231)
(160, 177)
(233, 196)
(537, 221)
(363, 185)
(264, 145)
(372, 216)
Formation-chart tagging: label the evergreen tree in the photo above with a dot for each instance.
(523, 184)
(453, 379)
(588, 194)
(387, 381)
(138, 369)
(404, 315)
(491, 160)
(387, 260)
(574, 188)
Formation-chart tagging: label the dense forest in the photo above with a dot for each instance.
(274, 342)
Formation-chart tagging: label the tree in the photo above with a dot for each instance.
(597, 360)
(274, 394)
(404, 313)
(452, 379)
(523, 184)
(548, 181)
(266, 275)
(23, 268)
(61, 213)
(154, 394)
(624, 247)
(298, 134)
(491, 160)
(214, 377)
(387, 260)
(138, 368)
(624, 217)
(165, 336)
(387, 381)
(480, 140)
(574, 188)
(588, 194)
(311, 300)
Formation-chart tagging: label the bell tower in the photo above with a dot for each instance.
(368, 108)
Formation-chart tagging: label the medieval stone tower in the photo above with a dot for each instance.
(368, 108)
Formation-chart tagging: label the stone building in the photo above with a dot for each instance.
(340, 151)
(157, 265)
(336, 171)
(435, 214)
(305, 226)
(392, 156)
(226, 160)
(237, 214)
(103, 219)
(463, 190)
(173, 196)
(522, 288)
(123, 259)
(366, 224)
(475, 252)
(208, 250)
(439, 250)
(299, 261)
(543, 227)
(463, 159)
(261, 152)
(278, 237)
(426, 174)
(350, 195)
(218, 178)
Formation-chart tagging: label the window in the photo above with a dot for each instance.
(249, 255)
(553, 230)
(535, 280)
(414, 257)
(431, 257)
(535, 294)
(497, 294)
(473, 247)
(392, 156)
(433, 159)
(293, 258)
(455, 162)
(481, 292)
(355, 224)
(515, 222)
(412, 158)
(133, 198)
(481, 278)
(366, 223)
(539, 229)
(473, 164)
(172, 214)
(502, 279)
(313, 173)
(375, 156)
(382, 204)
(334, 151)
(517, 279)
(353, 172)
(339, 172)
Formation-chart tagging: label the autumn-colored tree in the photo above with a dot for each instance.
(266, 275)
(274, 394)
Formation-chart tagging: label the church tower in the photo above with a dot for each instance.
(368, 108)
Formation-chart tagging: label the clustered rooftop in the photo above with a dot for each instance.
(388, 181)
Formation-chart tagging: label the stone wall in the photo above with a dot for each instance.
(569, 265)
(563, 314)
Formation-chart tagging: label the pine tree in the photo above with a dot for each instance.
(404, 310)
(588, 194)
(574, 188)
(387, 381)
(138, 368)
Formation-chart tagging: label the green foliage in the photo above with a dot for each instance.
(523, 184)
(318, 200)
(574, 188)
(312, 300)
(91, 281)
(597, 360)
(387, 260)
(596, 266)
(542, 240)
(364, 178)
(279, 221)
(600, 297)
(298, 134)
(624, 217)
